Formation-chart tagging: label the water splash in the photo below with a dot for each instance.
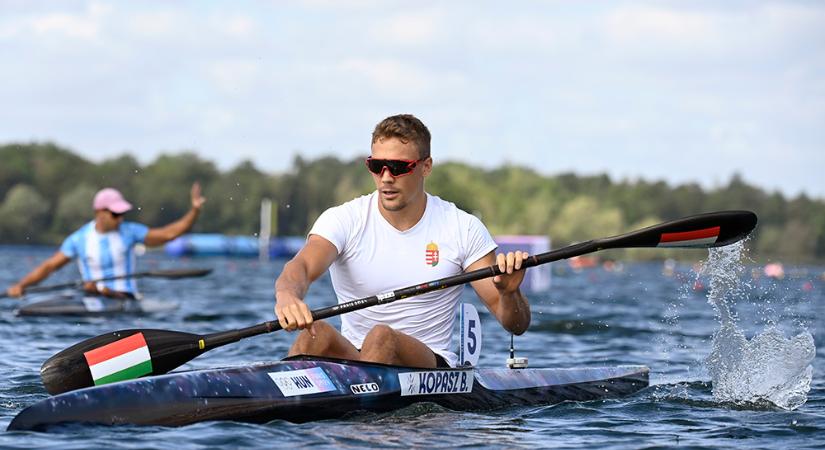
(767, 368)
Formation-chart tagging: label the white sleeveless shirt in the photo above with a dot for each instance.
(374, 257)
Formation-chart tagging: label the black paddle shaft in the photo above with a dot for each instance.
(68, 370)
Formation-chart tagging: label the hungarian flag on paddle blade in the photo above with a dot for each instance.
(698, 238)
(121, 360)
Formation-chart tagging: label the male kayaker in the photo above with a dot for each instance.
(104, 247)
(397, 236)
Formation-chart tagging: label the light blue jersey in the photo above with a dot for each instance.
(104, 255)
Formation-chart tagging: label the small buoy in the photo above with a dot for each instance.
(774, 270)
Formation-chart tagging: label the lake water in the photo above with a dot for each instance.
(752, 336)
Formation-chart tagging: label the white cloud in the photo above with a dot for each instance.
(413, 28)
(644, 26)
(522, 34)
(789, 20)
(238, 26)
(235, 77)
(154, 24)
(396, 78)
(85, 25)
(346, 4)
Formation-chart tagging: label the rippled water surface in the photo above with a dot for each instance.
(594, 317)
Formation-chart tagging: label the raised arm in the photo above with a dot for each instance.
(162, 235)
(39, 274)
(292, 285)
(501, 294)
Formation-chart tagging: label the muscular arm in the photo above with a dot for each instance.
(55, 262)
(501, 294)
(292, 285)
(162, 235)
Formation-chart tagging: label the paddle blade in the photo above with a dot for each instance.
(178, 273)
(117, 356)
(714, 229)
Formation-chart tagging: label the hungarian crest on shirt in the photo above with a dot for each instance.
(431, 254)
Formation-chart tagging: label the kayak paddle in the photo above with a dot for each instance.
(127, 354)
(170, 274)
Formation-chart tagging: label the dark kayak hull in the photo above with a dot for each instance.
(304, 389)
(79, 305)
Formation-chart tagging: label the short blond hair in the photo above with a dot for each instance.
(406, 128)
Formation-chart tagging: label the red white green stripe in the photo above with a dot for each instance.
(124, 359)
(698, 238)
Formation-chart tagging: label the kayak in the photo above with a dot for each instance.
(303, 388)
(74, 304)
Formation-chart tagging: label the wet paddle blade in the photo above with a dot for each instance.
(714, 229)
(118, 356)
(178, 273)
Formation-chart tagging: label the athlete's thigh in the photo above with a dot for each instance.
(412, 352)
(327, 341)
(337, 345)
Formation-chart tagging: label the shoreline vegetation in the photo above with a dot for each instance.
(46, 192)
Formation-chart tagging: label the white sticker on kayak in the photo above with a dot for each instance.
(302, 382)
(364, 388)
(437, 382)
(93, 304)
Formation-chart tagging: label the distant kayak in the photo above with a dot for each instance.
(214, 244)
(74, 304)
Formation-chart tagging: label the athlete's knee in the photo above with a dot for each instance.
(316, 342)
(381, 345)
(302, 344)
(322, 329)
(382, 335)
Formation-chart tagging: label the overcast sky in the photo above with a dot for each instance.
(680, 91)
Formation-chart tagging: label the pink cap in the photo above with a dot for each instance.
(112, 200)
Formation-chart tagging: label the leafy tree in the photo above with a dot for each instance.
(239, 192)
(584, 218)
(119, 173)
(16, 167)
(24, 213)
(798, 241)
(305, 194)
(162, 188)
(49, 169)
(73, 210)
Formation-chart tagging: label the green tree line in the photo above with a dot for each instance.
(46, 193)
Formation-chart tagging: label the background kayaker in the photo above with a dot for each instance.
(397, 236)
(104, 247)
